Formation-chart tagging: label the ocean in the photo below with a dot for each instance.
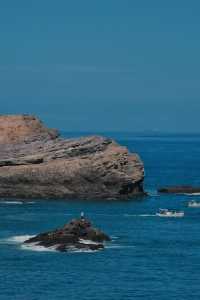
(148, 258)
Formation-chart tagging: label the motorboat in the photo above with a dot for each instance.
(193, 203)
(170, 213)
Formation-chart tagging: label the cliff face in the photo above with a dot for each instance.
(36, 163)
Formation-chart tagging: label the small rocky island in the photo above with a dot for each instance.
(77, 234)
(35, 162)
(180, 189)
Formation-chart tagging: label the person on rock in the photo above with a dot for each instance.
(82, 216)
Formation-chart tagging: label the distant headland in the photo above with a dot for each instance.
(35, 162)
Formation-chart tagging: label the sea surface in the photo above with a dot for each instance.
(148, 258)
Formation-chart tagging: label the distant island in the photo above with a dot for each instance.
(35, 162)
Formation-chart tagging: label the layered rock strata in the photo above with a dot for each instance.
(36, 163)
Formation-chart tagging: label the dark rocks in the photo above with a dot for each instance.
(77, 234)
(36, 163)
(182, 189)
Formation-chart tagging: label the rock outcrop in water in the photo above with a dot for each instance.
(77, 234)
(180, 189)
(36, 163)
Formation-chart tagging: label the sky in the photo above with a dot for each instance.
(102, 65)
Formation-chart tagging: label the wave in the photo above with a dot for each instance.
(113, 237)
(141, 215)
(16, 202)
(87, 242)
(120, 246)
(192, 194)
(38, 248)
(153, 193)
(76, 250)
(18, 239)
(11, 202)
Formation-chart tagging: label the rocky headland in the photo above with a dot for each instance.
(35, 162)
(77, 234)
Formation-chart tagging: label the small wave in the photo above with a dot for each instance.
(141, 215)
(113, 237)
(11, 202)
(38, 248)
(153, 193)
(75, 250)
(17, 202)
(192, 194)
(87, 242)
(120, 246)
(18, 239)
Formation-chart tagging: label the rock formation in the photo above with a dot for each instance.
(180, 189)
(36, 163)
(77, 234)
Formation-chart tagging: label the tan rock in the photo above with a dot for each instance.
(36, 163)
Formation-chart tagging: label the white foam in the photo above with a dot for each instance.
(113, 237)
(11, 202)
(16, 202)
(18, 239)
(76, 250)
(192, 194)
(87, 242)
(38, 248)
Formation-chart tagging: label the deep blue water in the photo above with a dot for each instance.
(148, 258)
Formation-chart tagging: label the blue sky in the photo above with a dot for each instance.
(102, 65)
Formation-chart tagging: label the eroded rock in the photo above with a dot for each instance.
(36, 163)
(77, 234)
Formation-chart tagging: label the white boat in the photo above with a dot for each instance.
(193, 203)
(170, 213)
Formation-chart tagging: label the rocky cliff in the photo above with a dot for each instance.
(36, 163)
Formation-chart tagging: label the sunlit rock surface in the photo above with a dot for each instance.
(36, 163)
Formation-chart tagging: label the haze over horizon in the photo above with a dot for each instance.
(102, 65)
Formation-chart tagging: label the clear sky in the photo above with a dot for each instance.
(102, 65)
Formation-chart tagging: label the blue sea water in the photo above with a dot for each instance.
(148, 258)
